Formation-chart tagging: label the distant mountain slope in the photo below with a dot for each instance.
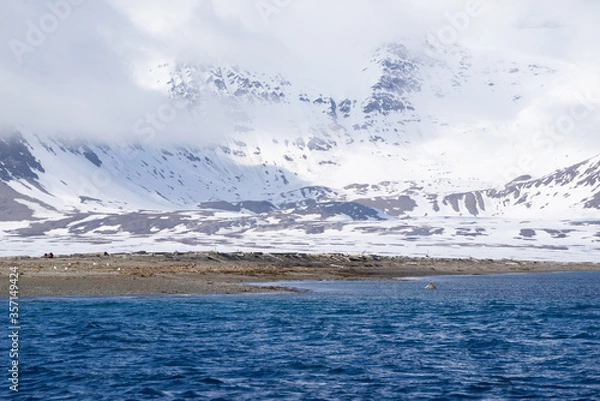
(53, 176)
(373, 155)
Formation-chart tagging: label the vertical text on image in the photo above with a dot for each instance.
(13, 328)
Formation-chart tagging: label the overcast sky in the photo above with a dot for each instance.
(88, 71)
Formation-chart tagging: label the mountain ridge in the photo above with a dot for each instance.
(271, 159)
(160, 165)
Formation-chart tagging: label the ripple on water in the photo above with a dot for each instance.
(493, 337)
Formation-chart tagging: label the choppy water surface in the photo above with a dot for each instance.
(494, 337)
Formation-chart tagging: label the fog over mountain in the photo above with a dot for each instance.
(239, 120)
(93, 73)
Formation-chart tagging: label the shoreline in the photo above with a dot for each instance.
(192, 273)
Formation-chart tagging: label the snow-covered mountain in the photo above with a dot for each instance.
(66, 177)
(273, 157)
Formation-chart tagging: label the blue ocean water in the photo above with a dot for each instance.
(501, 337)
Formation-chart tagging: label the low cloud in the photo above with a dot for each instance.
(89, 67)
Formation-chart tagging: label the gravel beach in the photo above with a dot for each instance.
(227, 273)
